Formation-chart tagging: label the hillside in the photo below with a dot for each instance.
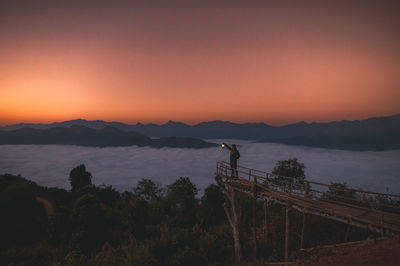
(84, 136)
(379, 133)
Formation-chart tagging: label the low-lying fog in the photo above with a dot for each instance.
(122, 167)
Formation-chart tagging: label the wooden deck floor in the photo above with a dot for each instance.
(386, 223)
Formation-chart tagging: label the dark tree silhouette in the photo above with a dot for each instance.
(181, 195)
(23, 218)
(147, 190)
(212, 206)
(182, 191)
(79, 177)
(287, 170)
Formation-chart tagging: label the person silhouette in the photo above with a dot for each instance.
(234, 156)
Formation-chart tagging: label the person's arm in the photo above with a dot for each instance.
(226, 145)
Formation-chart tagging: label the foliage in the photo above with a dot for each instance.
(211, 211)
(139, 218)
(93, 223)
(79, 177)
(339, 191)
(148, 190)
(181, 196)
(182, 191)
(97, 225)
(290, 173)
(217, 244)
(23, 219)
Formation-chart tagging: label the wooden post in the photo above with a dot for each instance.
(287, 232)
(265, 216)
(303, 228)
(254, 217)
(303, 225)
(233, 213)
(307, 189)
(346, 238)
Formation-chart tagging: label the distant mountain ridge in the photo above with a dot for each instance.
(378, 133)
(212, 129)
(85, 136)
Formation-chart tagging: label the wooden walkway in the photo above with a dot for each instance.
(373, 211)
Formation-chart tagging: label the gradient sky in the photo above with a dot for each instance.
(272, 61)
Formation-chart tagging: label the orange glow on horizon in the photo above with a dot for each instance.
(155, 66)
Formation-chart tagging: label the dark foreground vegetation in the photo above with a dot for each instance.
(148, 225)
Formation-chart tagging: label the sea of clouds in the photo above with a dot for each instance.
(123, 167)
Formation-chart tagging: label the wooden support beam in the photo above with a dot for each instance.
(307, 191)
(303, 228)
(233, 213)
(306, 199)
(303, 224)
(346, 238)
(254, 219)
(287, 232)
(265, 216)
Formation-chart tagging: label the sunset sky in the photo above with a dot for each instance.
(152, 61)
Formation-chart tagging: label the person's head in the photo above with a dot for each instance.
(234, 146)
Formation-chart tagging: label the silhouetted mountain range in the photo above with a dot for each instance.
(85, 136)
(380, 133)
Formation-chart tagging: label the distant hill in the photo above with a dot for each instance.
(85, 136)
(204, 130)
(97, 124)
(380, 133)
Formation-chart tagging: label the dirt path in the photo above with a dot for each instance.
(48, 206)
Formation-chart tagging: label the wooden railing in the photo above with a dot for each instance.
(381, 204)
